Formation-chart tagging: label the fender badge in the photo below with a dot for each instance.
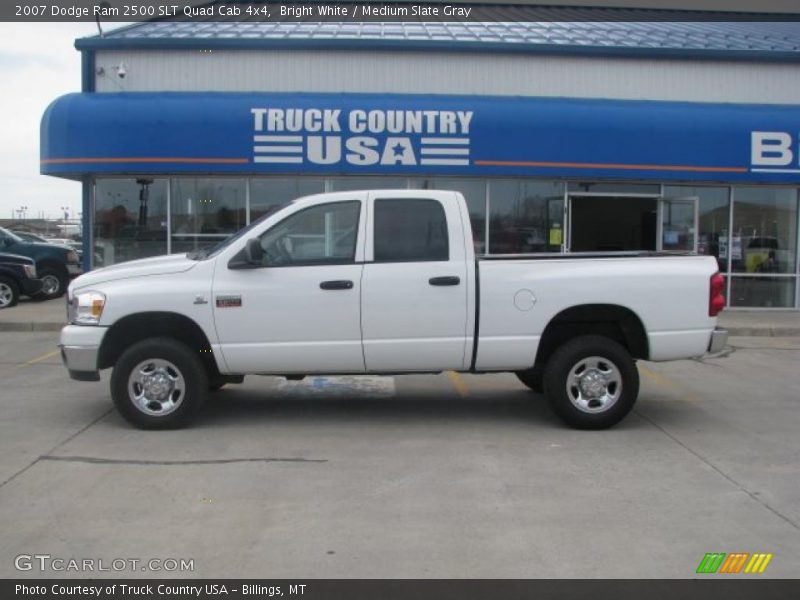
(229, 301)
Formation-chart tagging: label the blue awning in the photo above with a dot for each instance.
(407, 135)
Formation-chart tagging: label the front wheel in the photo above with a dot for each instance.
(159, 383)
(591, 382)
(54, 283)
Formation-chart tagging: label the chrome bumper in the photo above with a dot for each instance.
(80, 347)
(719, 337)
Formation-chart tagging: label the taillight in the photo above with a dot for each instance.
(716, 299)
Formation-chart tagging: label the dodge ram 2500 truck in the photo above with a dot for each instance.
(385, 282)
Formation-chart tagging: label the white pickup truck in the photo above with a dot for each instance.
(385, 282)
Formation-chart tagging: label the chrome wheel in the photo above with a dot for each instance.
(156, 387)
(50, 285)
(594, 384)
(6, 295)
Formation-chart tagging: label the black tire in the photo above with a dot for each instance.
(51, 274)
(187, 401)
(614, 364)
(533, 378)
(9, 292)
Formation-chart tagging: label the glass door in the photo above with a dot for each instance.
(678, 224)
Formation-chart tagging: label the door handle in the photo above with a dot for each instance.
(447, 280)
(337, 284)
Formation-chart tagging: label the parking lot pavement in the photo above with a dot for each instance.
(418, 476)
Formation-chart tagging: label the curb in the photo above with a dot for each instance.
(22, 326)
(763, 331)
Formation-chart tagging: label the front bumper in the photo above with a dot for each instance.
(719, 337)
(80, 347)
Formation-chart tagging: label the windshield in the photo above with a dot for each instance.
(5, 232)
(210, 251)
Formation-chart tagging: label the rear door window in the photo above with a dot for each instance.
(410, 230)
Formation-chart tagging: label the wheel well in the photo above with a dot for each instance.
(616, 322)
(135, 328)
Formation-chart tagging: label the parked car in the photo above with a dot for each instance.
(34, 237)
(30, 237)
(55, 264)
(385, 282)
(17, 277)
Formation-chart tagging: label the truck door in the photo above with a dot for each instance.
(414, 285)
(299, 313)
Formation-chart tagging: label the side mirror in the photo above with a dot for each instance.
(253, 251)
(251, 256)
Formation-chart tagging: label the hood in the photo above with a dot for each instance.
(159, 265)
(15, 259)
(47, 245)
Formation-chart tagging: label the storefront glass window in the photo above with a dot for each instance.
(474, 191)
(767, 292)
(205, 211)
(347, 184)
(268, 193)
(525, 216)
(614, 187)
(764, 230)
(130, 219)
(714, 206)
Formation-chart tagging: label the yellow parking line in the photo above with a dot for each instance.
(458, 383)
(33, 361)
(665, 381)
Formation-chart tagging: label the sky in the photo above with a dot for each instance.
(38, 63)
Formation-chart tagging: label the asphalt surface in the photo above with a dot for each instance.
(417, 476)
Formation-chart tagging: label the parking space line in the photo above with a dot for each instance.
(33, 361)
(664, 381)
(458, 383)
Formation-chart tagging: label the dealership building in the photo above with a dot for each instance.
(593, 131)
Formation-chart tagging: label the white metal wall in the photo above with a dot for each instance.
(453, 73)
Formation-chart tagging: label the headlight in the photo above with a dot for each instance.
(88, 307)
(30, 271)
(72, 256)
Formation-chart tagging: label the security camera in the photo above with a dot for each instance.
(122, 70)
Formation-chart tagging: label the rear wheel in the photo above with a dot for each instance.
(591, 382)
(159, 383)
(9, 292)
